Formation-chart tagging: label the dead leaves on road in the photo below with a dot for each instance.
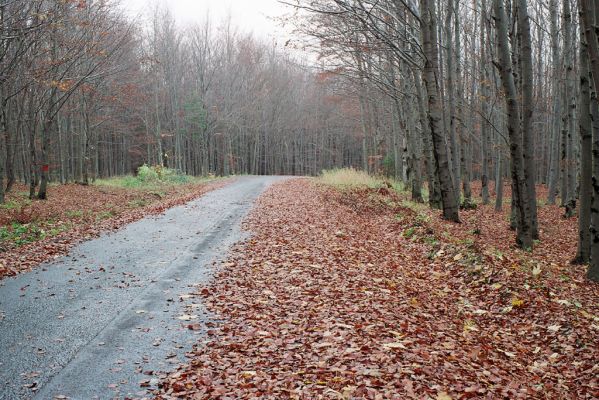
(331, 299)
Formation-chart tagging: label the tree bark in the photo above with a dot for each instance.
(484, 78)
(554, 168)
(528, 145)
(583, 254)
(587, 14)
(519, 190)
(435, 113)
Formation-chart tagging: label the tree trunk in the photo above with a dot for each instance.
(499, 183)
(588, 10)
(519, 192)
(434, 194)
(47, 129)
(3, 151)
(528, 145)
(554, 169)
(583, 253)
(451, 93)
(435, 114)
(484, 78)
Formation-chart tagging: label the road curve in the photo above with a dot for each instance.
(95, 323)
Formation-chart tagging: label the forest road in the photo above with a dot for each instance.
(94, 324)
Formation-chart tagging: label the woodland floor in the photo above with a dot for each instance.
(32, 232)
(362, 294)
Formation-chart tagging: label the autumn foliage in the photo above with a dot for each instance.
(362, 294)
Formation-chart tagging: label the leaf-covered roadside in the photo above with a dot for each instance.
(334, 298)
(34, 232)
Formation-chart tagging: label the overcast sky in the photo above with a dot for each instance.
(249, 15)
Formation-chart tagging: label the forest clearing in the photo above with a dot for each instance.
(299, 199)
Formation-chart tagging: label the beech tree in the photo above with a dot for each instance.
(589, 11)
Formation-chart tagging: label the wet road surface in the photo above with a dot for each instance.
(96, 323)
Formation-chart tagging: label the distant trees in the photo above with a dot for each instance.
(87, 93)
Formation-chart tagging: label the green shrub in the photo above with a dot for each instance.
(148, 174)
(149, 177)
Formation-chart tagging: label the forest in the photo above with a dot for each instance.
(385, 199)
(436, 95)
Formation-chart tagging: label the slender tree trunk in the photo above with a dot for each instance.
(566, 168)
(434, 193)
(435, 113)
(519, 192)
(451, 93)
(484, 78)
(528, 145)
(3, 149)
(554, 164)
(583, 253)
(499, 183)
(158, 132)
(47, 130)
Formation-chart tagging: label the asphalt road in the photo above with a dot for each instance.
(94, 324)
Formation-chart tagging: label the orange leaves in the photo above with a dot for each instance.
(63, 85)
(329, 300)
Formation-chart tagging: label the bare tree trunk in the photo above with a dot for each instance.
(3, 150)
(519, 192)
(499, 183)
(554, 169)
(568, 195)
(158, 132)
(434, 193)
(484, 78)
(588, 9)
(451, 93)
(583, 253)
(528, 145)
(435, 114)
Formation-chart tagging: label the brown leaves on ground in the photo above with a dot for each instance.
(74, 213)
(339, 297)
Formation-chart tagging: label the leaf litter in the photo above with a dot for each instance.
(304, 312)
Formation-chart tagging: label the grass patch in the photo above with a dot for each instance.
(104, 215)
(21, 234)
(348, 178)
(151, 178)
(138, 203)
(75, 214)
(10, 205)
(408, 233)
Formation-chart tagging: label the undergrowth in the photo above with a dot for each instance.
(20, 234)
(412, 220)
(348, 178)
(151, 177)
